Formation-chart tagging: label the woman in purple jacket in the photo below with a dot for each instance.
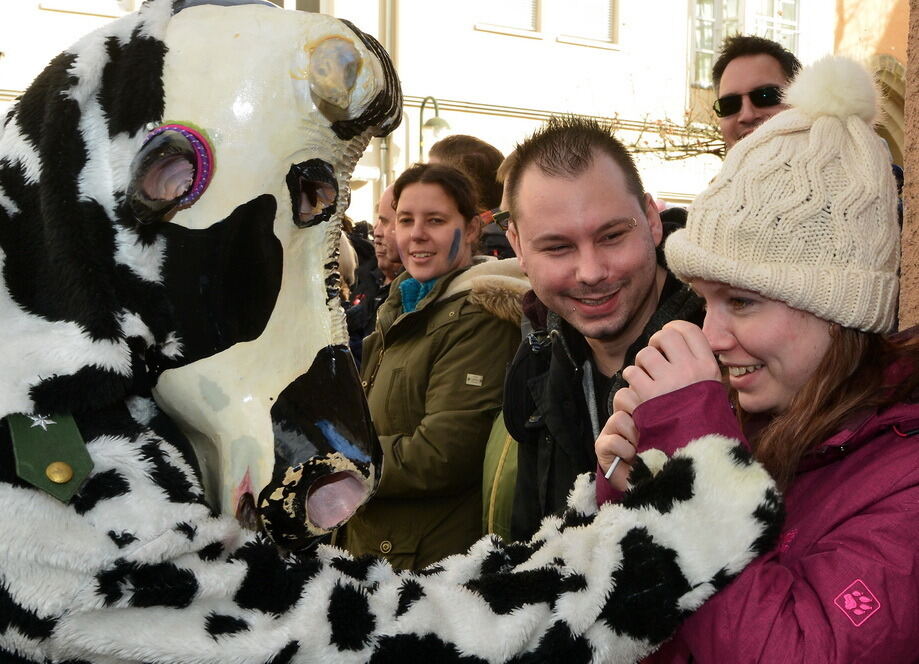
(795, 249)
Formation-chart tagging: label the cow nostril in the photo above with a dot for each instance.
(246, 513)
(315, 197)
(313, 192)
(334, 498)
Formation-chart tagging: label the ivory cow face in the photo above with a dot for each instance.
(247, 177)
(171, 189)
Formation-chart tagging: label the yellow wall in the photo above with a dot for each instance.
(872, 27)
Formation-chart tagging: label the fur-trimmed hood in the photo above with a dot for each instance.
(497, 286)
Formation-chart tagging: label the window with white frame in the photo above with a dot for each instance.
(713, 20)
(588, 19)
(568, 20)
(106, 8)
(517, 14)
(778, 20)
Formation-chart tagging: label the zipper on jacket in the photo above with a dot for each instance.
(556, 335)
(493, 498)
(373, 374)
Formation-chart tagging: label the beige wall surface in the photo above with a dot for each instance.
(32, 32)
(872, 27)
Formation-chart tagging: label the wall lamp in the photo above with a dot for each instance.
(437, 125)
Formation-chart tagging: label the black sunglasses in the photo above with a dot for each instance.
(764, 97)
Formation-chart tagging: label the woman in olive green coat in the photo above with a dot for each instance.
(434, 371)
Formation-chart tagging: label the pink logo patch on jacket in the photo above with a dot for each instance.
(786, 539)
(857, 602)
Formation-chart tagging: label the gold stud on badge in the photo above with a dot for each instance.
(59, 472)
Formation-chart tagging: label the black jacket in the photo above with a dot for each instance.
(546, 411)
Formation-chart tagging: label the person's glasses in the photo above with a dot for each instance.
(501, 217)
(764, 97)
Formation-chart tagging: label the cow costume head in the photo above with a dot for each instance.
(169, 220)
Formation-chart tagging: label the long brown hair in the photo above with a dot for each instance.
(850, 378)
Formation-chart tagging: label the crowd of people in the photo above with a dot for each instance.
(539, 316)
(602, 430)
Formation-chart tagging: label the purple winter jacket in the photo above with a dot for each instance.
(842, 584)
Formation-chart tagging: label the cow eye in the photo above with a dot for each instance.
(171, 171)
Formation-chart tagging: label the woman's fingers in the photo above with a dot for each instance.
(612, 445)
(616, 448)
(672, 344)
(652, 361)
(641, 383)
(677, 355)
(625, 399)
(620, 422)
(625, 427)
(615, 455)
(695, 342)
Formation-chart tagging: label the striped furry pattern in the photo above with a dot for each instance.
(136, 569)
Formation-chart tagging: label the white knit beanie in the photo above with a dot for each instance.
(804, 210)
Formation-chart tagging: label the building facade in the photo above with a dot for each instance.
(497, 69)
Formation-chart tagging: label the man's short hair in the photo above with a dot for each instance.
(737, 46)
(565, 147)
(478, 160)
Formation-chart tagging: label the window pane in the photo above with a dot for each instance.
(512, 13)
(591, 19)
(703, 69)
(731, 27)
(705, 9)
(732, 10)
(705, 35)
(777, 20)
(788, 39)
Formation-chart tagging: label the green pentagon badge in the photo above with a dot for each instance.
(50, 453)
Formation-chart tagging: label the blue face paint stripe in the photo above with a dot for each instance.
(455, 246)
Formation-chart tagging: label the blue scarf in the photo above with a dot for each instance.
(413, 291)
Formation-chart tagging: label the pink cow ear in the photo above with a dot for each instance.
(171, 171)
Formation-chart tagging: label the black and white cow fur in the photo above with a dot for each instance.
(138, 568)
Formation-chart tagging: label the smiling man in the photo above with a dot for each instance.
(750, 76)
(586, 234)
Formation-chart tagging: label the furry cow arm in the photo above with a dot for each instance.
(90, 583)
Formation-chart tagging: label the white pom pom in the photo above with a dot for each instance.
(834, 85)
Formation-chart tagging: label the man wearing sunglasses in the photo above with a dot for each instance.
(750, 75)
